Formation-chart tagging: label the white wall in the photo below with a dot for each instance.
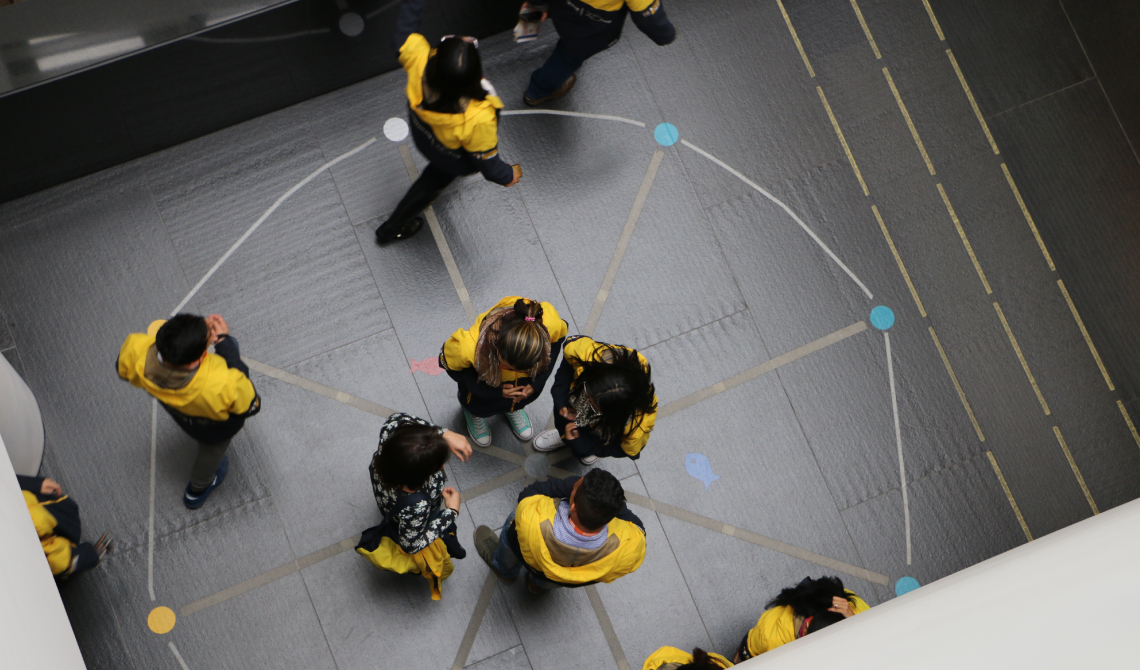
(1067, 600)
(34, 629)
(21, 425)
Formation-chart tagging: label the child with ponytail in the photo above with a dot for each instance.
(502, 363)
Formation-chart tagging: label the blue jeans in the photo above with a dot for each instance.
(509, 565)
(557, 69)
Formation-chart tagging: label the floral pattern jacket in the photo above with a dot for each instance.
(416, 526)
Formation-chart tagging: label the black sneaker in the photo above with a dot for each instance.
(386, 234)
(196, 500)
(558, 92)
(486, 542)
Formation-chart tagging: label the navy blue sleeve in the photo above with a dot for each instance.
(554, 488)
(560, 391)
(653, 22)
(227, 348)
(468, 380)
(408, 22)
(494, 168)
(30, 484)
(627, 515)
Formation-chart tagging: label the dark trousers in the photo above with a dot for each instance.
(557, 69)
(421, 194)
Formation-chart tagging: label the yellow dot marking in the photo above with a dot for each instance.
(161, 620)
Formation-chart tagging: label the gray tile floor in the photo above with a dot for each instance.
(717, 279)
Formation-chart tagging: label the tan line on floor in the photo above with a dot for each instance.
(1028, 218)
(965, 240)
(472, 631)
(1021, 357)
(768, 366)
(842, 140)
(1009, 496)
(1128, 420)
(607, 627)
(1085, 333)
(623, 244)
(1076, 470)
(957, 386)
(909, 122)
(866, 29)
(973, 103)
(441, 241)
(795, 37)
(899, 260)
(934, 20)
(319, 389)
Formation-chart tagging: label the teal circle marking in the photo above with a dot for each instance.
(905, 585)
(666, 134)
(882, 317)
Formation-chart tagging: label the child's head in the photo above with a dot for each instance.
(701, 661)
(454, 71)
(183, 339)
(619, 387)
(596, 500)
(410, 455)
(523, 342)
(811, 599)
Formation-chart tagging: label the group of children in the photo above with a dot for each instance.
(563, 533)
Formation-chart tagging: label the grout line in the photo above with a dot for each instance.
(934, 20)
(965, 241)
(492, 484)
(472, 631)
(1128, 420)
(622, 245)
(320, 389)
(898, 442)
(909, 122)
(440, 240)
(1025, 211)
(899, 260)
(866, 29)
(763, 368)
(1021, 357)
(973, 103)
(1085, 332)
(796, 38)
(842, 139)
(1076, 470)
(1009, 496)
(957, 386)
(607, 627)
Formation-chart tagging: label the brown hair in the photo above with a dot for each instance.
(411, 454)
(515, 336)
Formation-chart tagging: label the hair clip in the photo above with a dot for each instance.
(529, 318)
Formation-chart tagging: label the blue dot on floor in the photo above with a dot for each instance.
(882, 317)
(666, 134)
(905, 585)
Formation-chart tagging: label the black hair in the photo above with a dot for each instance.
(410, 455)
(813, 598)
(701, 661)
(523, 344)
(183, 339)
(598, 500)
(453, 72)
(622, 389)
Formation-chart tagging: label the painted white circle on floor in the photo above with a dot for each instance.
(396, 129)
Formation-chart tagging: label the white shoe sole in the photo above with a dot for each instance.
(547, 447)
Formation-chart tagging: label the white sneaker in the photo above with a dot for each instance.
(588, 460)
(548, 440)
(478, 429)
(520, 424)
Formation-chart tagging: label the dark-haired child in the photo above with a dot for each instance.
(408, 481)
(604, 402)
(208, 395)
(502, 363)
(811, 605)
(672, 658)
(454, 118)
(567, 533)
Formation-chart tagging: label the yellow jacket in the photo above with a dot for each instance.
(585, 348)
(615, 5)
(777, 626)
(672, 655)
(433, 562)
(622, 554)
(459, 350)
(214, 392)
(475, 130)
(56, 548)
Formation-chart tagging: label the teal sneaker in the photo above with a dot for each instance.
(520, 424)
(478, 429)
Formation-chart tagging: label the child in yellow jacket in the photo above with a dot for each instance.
(811, 605)
(672, 658)
(56, 518)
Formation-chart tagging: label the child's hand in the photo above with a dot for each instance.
(451, 498)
